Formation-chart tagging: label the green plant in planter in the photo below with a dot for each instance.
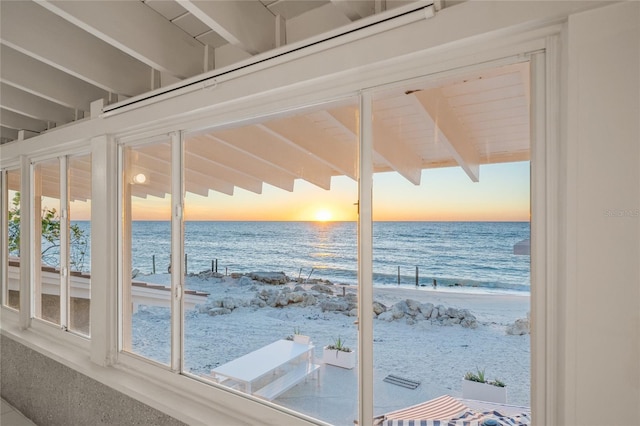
(338, 345)
(479, 377)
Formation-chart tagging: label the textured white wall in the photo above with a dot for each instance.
(602, 362)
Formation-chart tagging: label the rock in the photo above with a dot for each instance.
(296, 297)
(386, 316)
(396, 313)
(413, 305)
(309, 300)
(321, 288)
(281, 300)
(299, 288)
(378, 308)
(469, 322)
(441, 311)
(353, 312)
(258, 302)
(273, 278)
(411, 321)
(334, 305)
(218, 311)
(519, 327)
(231, 303)
(426, 309)
(452, 312)
(244, 281)
(401, 307)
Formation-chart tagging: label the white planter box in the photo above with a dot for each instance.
(483, 392)
(339, 358)
(301, 338)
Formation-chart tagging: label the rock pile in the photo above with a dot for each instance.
(410, 311)
(520, 327)
(413, 311)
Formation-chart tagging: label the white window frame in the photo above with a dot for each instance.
(139, 378)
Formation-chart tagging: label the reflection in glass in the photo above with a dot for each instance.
(146, 316)
(12, 289)
(270, 238)
(47, 243)
(80, 243)
(450, 201)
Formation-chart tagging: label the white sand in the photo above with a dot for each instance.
(437, 356)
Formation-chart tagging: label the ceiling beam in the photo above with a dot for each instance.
(137, 30)
(449, 130)
(40, 79)
(195, 161)
(391, 149)
(247, 24)
(225, 153)
(340, 155)
(7, 134)
(33, 106)
(273, 148)
(356, 9)
(71, 50)
(13, 120)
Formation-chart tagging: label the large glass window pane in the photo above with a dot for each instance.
(11, 295)
(80, 243)
(46, 238)
(270, 245)
(146, 251)
(451, 293)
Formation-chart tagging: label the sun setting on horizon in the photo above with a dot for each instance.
(445, 195)
(323, 215)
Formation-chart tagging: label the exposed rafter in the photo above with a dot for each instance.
(392, 150)
(136, 30)
(71, 50)
(449, 130)
(223, 152)
(196, 162)
(13, 120)
(246, 24)
(356, 9)
(32, 106)
(275, 149)
(49, 83)
(302, 130)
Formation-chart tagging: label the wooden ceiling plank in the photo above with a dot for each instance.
(194, 160)
(33, 106)
(109, 68)
(40, 79)
(136, 30)
(224, 153)
(229, 20)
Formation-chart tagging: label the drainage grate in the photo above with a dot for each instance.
(400, 381)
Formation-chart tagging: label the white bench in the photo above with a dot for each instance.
(286, 382)
(253, 368)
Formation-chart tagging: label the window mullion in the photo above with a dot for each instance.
(27, 255)
(64, 243)
(177, 251)
(365, 262)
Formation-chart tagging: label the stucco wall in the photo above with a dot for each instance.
(51, 394)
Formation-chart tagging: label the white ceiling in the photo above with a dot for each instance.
(57, 57)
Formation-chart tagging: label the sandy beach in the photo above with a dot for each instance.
(425, 351)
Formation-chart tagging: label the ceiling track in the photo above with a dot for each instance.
(360, 29)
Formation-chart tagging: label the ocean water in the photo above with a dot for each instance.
(466, 256)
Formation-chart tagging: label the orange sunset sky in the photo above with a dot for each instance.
(445, 194)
